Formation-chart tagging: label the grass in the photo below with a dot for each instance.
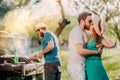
(64, 59)
(110, 59)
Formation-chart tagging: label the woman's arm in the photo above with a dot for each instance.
(107, 42)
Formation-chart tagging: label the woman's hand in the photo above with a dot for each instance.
(107, 42)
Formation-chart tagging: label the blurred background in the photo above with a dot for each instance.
(20, 16)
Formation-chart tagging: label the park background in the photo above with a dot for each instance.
(20, 16)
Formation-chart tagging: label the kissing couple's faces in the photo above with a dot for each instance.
(88, 22)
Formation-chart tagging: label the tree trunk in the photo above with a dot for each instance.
(64, 21)
(61, 27)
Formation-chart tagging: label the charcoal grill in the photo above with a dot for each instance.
(25, 68)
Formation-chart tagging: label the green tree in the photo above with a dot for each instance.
(7, 5)
(114, 31)
(10, 10)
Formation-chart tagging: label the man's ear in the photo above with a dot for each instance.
(82, 22)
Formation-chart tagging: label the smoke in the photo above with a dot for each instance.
(21, 21)
(11, 43)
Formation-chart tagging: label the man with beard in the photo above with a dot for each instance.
(77, 47)
(50, 51)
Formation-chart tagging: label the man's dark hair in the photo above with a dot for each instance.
(83, 16)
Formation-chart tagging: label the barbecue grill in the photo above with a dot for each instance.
(24, 69)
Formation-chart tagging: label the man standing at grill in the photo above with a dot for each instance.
(50, 51)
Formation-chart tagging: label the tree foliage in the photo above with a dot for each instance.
(114, 31)
(107, 8)
(7, 5)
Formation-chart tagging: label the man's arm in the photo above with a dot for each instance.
(48, 48)
(85, 52)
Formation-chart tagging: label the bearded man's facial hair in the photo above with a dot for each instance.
(86, 27)
(42, 35)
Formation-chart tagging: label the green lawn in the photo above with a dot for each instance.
(110, 58)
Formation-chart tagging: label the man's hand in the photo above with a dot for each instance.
(40, 55)
(34, 58)
(100, 50)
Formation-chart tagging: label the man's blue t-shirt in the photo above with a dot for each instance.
(51, 56)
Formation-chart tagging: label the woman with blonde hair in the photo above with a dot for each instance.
(94, 67)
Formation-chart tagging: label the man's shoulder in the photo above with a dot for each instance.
(48, 33)
(76, 30)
